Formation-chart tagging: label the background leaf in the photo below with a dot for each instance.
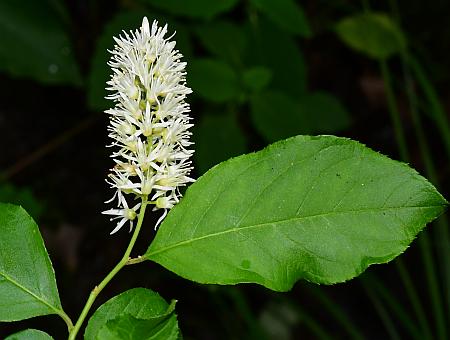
(316, 208)
(35, 43)
(257, 78)
(133, 314)
(194, 8)
(220, 133)
(100, 71)
(29, 334)
(27, 281)
(224, 39)
(373, 34)
(279, 52)
(21, 196)
(287, 14)
(213, 80)
(277, 115)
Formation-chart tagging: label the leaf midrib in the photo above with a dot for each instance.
(17, 284)
(299, 218)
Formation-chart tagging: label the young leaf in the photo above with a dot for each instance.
(128, 327)
(138, 313)
(35, 44)
(213, 80)
(256, 78)
(29, 334)
(206, 9)
(316, 208)
(27, 281)
(287, 14)
(373, 34)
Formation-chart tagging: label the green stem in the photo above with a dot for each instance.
(393, 111)
(384, 315)
(427, 256)
(437, 112)
(441, 224)
(116, 269)
(67, 320)
(423, 239)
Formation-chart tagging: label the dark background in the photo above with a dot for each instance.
(260, 71)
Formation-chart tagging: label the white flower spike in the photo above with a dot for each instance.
(149, 123)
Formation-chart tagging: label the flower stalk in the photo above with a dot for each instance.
(124, 261)
(149, 126)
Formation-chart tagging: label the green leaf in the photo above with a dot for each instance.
(138, 313)
(131, 328)
(29, 334)
(280, 53)
(277, 115)
(217, 138)
(35, 43)
(224, 39)
(373, 34)
(257, 78)
(205, 9)
(316, 208)
(324, 112)
(21, 196)
(27, 281)
(213, 80)
(287, 14)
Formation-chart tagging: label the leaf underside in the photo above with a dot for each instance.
(316, 208)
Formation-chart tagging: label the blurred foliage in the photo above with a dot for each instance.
(34, 50)
(374, 34)
(9, 193)
(260, 70)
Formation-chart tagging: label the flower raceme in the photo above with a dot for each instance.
(149, 124)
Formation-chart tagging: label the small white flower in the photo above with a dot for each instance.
(149, 124)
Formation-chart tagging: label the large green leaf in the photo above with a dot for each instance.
(373, 34)
(213, 80)
(34, 43)
(287, 14)
(138, 313)
(316, 208)
(27, 281)
(29, 334)
(194, 8)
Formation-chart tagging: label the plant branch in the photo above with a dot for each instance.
(96, 291)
